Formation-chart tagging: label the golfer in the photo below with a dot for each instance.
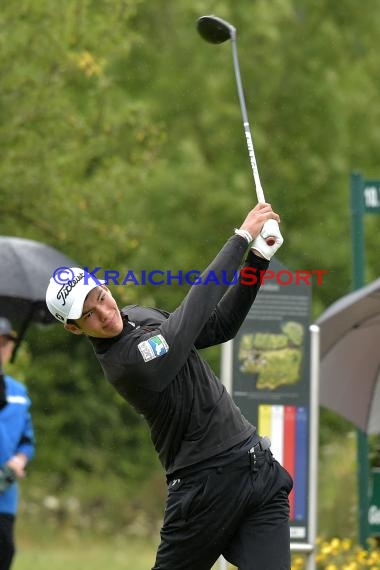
(226, 493)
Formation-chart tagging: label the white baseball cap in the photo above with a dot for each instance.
(67, 292)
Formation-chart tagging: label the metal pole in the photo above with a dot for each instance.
(226, 365)
(226, 378)
(314, 442)
(358, 264)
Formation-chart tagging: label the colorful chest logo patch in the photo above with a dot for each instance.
(153, 347)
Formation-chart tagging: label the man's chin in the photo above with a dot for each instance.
(114, 329)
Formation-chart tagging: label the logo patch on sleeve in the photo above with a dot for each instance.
(153, 347)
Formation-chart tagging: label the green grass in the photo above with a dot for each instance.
(63, 552)
(87, 554)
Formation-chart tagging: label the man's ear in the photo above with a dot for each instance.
(73, 328)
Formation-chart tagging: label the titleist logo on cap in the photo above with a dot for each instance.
(66, 289)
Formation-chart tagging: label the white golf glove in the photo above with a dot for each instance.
(269, 229)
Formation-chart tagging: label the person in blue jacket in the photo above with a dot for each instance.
(16, 443)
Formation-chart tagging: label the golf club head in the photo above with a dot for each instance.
(214, 29)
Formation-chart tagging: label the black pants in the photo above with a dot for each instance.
(240, 510)
(7, 545)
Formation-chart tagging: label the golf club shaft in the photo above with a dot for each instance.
(216, 31)
(247, 130)
(271, 239)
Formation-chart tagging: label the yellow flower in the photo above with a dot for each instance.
(343, 554)
(374, 557)
(326, 548)
(348, 566)
(335, 543)
(361, 555)
(346, 544)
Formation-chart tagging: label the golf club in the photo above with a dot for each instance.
(216, 31)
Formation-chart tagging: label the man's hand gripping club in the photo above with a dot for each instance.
(261, 223)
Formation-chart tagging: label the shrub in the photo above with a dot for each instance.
(342, 554)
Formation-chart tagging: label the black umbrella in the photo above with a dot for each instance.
(25, 269)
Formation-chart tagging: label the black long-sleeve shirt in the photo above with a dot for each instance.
(155, 365)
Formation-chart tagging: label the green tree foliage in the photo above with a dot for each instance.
(122, 145)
